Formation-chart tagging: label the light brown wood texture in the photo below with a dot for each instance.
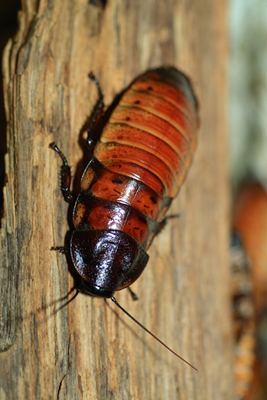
(90, 350)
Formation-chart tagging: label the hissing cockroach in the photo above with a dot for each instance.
(244, 317)
(145, 147)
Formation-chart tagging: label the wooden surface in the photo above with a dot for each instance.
(89, 350)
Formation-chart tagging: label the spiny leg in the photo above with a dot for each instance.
(134, 296)
(97, 113)
(164, 222)
(65, 175)
(61, 249)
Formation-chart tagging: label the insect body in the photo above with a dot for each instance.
(249, 277)
(138, 166)
(244, 317)
(146, 145)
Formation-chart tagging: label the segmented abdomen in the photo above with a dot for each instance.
(142, 158)
(152, 131)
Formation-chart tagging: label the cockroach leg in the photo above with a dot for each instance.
(61, 249)
(64, 174)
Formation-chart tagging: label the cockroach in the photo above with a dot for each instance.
(249, 277)
(243, 316)
(142, 149)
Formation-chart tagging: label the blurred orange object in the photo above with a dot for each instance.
(250, 221)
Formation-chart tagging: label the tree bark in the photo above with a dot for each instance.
(89, 350)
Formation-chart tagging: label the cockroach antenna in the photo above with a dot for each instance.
(150, 333)
(130, 316)
(67, 302)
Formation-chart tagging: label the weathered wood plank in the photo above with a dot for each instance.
(89, 351)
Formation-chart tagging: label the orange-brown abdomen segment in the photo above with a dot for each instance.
(153, 127)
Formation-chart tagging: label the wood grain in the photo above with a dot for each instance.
(89, 350)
